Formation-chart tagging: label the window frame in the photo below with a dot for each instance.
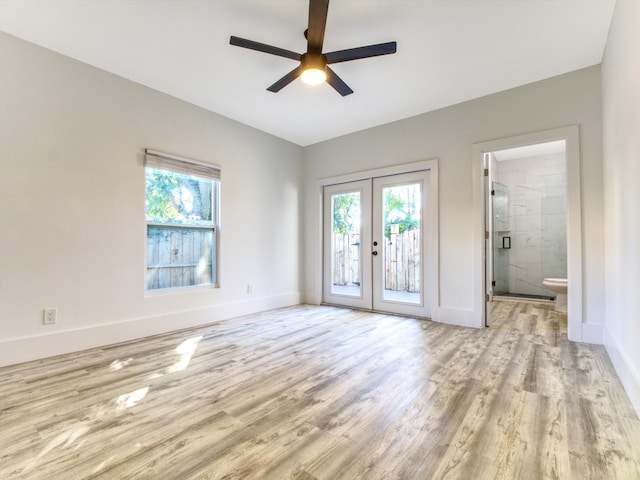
(181, 165)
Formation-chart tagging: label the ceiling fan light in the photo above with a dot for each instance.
(313, 76)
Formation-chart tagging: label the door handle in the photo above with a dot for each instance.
(374, 253)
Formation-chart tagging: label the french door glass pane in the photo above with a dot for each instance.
(401, 253)
(345, 243)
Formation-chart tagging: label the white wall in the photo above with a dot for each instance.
(448, 134)
(621, 138)
(72, 205)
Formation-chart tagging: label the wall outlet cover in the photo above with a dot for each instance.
(50, 316)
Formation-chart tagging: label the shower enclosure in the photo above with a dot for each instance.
(501, 237)
(528, 223)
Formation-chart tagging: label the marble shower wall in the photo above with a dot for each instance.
(537, 221)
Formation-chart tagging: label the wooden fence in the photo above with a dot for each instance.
(346, 258)
(178, 257)
(402, 262)
(401, 255)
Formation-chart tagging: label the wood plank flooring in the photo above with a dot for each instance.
(316, 392)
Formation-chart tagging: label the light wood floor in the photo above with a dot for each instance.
(326, 393)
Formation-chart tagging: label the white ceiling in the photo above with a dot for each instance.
(449, 51)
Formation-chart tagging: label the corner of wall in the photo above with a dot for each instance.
(592, 333)
(460, 317)
(629, 377)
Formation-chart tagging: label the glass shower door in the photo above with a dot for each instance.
(501, 237)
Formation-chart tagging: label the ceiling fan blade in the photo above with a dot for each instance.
(263, 47)
(286, 80)
(361, 52)
(336, 82)
(318, 10)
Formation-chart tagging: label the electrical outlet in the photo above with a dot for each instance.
(50, 316)
(249, 288)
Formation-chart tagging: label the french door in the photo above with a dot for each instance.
(374, 244)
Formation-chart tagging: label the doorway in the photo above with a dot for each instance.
(571, 136)
(374, 251)
(527, 220)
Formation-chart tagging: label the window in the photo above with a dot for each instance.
(181, 219)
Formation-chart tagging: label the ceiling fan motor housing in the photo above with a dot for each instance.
(312, 60)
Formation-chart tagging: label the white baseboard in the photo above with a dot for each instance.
(629, 377)
(42, 346)
(592, 333)
(460, 317)
(312, 298)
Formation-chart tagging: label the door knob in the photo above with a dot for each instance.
(374, 253)
(375, 244)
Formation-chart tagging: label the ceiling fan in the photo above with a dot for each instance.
(313, 66)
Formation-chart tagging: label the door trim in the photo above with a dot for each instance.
(432, 252)
(571, 135)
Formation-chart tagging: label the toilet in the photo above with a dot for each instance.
(559, 286)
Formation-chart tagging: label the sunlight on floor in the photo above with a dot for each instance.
(119, 364)
(128, 400)
(186, 350)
